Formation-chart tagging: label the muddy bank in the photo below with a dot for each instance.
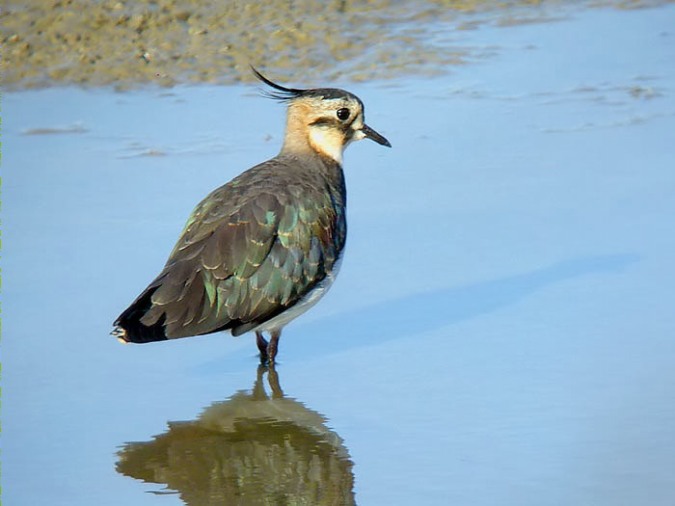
(166, 42)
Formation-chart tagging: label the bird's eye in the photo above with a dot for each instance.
(343, 113)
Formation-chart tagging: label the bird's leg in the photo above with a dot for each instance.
(272, 347)
(262, 346)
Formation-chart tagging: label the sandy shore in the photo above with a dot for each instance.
(165, 42)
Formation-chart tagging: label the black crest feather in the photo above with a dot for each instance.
(283, 94)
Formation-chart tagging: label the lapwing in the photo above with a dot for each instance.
(265, 247)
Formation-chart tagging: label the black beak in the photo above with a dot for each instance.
(373, 135)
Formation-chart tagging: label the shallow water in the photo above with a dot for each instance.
(500, 333)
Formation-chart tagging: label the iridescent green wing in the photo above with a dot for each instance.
(243, 257)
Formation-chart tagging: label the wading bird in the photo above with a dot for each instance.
(265, 247)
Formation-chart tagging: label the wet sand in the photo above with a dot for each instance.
(167, 42)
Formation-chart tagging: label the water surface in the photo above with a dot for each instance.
(500, 333)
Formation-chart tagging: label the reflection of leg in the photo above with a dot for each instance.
(272, 347)
(259, 393)
(273, 379)
(262, 346)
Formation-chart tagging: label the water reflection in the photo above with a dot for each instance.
(254, 448)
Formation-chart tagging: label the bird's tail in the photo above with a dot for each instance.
(130, 329)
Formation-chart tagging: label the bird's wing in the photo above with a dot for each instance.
(244, 257)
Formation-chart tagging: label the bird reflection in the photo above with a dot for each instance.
(254, 448)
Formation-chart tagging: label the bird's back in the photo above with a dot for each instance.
(250, 250)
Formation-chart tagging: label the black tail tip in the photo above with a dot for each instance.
(138, 333)
(128, 328)
(121, 335)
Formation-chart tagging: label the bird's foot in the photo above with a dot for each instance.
(272, 347)
(268, 350)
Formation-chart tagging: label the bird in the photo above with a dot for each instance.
(264, 248)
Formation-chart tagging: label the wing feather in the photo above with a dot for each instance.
(250, 250)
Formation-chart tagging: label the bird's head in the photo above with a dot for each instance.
(323, 119)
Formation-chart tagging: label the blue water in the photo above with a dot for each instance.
(501, 331)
